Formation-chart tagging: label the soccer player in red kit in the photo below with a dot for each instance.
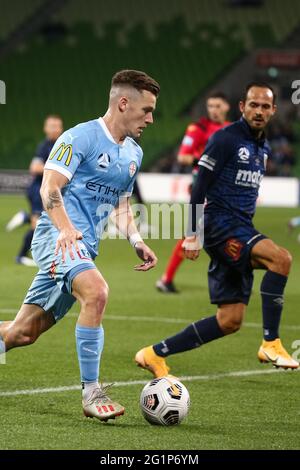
(191, 149)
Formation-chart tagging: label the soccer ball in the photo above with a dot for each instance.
(165, 401)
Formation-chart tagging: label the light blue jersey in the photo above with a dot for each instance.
(99, 171)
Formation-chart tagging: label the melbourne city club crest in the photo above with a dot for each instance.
(132, 169)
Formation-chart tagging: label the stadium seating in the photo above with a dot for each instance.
(10, 17)
(67, 67)
(70, 75)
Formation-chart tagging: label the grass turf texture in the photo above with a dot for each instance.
(250, 412)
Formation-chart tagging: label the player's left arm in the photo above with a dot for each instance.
(124, 220)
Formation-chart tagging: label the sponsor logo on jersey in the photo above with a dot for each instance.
(249, 178)
(103, 161)
(132, 169)
(62, 151)
(103, 189)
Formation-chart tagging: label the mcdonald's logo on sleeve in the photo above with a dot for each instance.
(63, 151)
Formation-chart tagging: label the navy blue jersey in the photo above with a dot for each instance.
(42, 153)
(237, 162)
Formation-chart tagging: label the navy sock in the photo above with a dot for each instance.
(26, 243)
(191, 337)
(271, 289)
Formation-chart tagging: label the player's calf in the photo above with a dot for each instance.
(29, 324)
(17, 336)
(230, 317)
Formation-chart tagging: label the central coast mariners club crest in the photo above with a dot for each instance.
(132, 169)
(103, 161)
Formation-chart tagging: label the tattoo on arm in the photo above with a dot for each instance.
(53, 200)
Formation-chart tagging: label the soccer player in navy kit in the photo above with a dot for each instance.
(231, 169)
(191, 149)
(53, 128)
(90, 172)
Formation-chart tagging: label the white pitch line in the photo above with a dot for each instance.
(193, 378)
(9, 311)
(259, 325)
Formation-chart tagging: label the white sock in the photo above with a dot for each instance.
(88, 388)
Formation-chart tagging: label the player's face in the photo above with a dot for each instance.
(258, 107)
(217, 109)
(53, 128)
(139, 113)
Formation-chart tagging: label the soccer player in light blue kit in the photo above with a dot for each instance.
(90, 171)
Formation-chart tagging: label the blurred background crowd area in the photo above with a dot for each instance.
(58, 57)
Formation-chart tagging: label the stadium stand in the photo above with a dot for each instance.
(75, 54)
(10, 17)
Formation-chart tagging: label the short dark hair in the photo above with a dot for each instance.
(258, 84)
(136, 79)
(218, 94)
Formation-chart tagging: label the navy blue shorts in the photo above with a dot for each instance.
(230, 274)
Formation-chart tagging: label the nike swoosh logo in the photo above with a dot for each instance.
(274, 359)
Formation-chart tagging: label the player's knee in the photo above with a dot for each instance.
(103, 293)
(230, 322)
(98, 296)
(286, 260)
(231, 325)
(283, 262)
(230, 317)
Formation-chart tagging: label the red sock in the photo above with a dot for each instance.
(175, 261)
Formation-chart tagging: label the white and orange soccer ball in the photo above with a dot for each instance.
(165, 401)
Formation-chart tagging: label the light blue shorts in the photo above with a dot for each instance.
(51, 288)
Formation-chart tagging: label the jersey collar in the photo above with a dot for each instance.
(106, 131)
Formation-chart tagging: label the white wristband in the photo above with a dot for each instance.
(134, 239)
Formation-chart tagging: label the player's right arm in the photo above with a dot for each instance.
(53, 182)
(210, 164)
(70, 149)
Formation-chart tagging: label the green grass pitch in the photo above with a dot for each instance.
(246, 410)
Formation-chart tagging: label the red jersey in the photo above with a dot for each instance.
(197, 135)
